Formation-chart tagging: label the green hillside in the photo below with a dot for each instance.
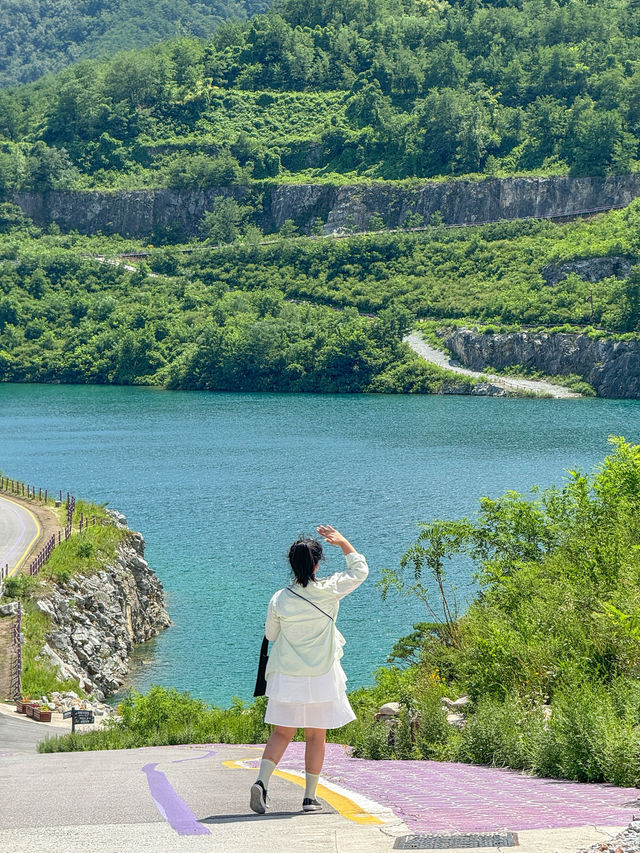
(350, 91)
(40, 36)
(296, 314)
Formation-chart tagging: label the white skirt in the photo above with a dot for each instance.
(309, 701)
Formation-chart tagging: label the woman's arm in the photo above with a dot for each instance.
(357, 570)
(333, 537)
(272, 625)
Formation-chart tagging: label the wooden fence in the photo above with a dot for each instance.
(29, 492)
(16, 658)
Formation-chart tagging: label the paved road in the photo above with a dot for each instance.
(186, 798)
(510, 383)
(21, 735)
(170, 799)
(19, 530)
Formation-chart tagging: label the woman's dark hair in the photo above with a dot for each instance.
(304, 555)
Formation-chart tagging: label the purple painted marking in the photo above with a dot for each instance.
(172, 807)
(435, 797)
(196, 758)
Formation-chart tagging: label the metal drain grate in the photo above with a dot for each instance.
(440, 841)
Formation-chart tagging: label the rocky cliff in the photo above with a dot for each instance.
(611, 367)
(143, 213)
(96, 619)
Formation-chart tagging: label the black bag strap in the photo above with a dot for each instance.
(309, 602)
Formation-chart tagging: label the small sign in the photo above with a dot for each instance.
(82, 717)
(79, 717)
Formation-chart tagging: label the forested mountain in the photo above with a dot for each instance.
(39, 36)
(378, 89)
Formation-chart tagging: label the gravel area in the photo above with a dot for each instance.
(627, 842)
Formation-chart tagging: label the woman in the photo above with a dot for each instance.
(306, 684)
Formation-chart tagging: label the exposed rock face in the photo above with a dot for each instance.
(612, 367)
(96, 619)
(588, 269)
(140, 213)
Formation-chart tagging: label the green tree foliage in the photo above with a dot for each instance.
(222, 224)
(39, 37)
(301, 314)
(399, 89)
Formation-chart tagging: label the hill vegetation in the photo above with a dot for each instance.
(315, 90)
(39, 37)
(293, 314)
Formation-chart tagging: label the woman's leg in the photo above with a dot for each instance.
(314, 750)
(280, 739)
(274, 750)
(313, 760)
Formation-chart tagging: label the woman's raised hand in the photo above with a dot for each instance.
(333, 537)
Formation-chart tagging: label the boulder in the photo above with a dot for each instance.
(388, 711)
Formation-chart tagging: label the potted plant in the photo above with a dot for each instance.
(42, 714)
(31, 707)
(21, 705)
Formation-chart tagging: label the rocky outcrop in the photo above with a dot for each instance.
(143, 213)
(588, 269)
(611, 367)
(96, 619)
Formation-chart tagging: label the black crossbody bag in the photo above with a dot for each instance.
(261, 682)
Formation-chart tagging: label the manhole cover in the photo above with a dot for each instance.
(440, 841)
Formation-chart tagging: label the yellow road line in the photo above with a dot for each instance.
(343, 805)
(30, 545)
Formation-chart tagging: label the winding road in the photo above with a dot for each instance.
(509, 383)
(19, 530)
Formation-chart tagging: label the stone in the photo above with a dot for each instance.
(138, 213)
(95, 627)
(9, 609)
(388, 711)
(454, 704)
(456, 720)
(588, 269)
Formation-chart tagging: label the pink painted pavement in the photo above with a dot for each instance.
(432, 796)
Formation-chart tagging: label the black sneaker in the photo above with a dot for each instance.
(258, 801)
(309, 805)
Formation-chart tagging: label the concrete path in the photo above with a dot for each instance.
(20, 735)
(19, 531)
(195, 798)
(169, 799)
(509, 383)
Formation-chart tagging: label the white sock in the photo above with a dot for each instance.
(266, 769)
(311, 785)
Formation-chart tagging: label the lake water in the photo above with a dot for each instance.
(220, 484)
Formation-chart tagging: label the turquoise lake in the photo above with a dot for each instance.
(220, 484)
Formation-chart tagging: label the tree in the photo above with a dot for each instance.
(288, 229)
(222, 224)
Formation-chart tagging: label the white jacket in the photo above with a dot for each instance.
(305, 641)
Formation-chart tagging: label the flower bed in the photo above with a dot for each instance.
(42, 714)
